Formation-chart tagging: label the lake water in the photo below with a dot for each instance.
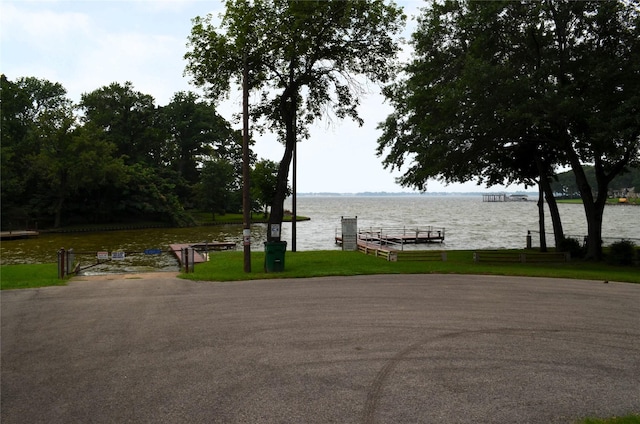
(469, 223)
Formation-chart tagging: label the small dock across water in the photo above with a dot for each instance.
(13, 235)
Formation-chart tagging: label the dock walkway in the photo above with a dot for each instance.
(198, 257)
(177, 248)
(398, 236)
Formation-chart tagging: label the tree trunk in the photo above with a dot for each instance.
(558, 232)
(277, 205)
(287, 110)
(593, 209)
(541, 227)
(545, 189)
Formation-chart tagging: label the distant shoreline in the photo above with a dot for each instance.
(413, 194)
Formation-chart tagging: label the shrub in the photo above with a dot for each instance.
(622, 253)
(572, 246)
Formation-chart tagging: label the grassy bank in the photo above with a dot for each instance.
(228, 266)
(206, 218)
(29, 276)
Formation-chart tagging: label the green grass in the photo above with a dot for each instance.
(628, 419)
(228, 266)
(29, 276)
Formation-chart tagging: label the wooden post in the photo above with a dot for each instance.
(246, 194)
(61, 263)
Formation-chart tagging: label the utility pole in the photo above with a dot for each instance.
(295, 185)
(246, 197)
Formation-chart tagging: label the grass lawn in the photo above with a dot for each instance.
(228, 266)
(29, 276)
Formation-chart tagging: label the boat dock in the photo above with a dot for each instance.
(13, 235)
(501, 197)
(398, 236)
(198, 248)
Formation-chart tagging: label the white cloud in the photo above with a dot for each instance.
(85, 45)
(42, 29)
(147, 60)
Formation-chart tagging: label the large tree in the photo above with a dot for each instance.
(306, 59)
(194, 134)
(31, 108)
(128, 119)
(502, 91)
(50, 165)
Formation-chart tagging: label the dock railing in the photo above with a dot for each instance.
(397, 237)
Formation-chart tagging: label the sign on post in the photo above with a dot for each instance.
(117, 256)
(275, 231)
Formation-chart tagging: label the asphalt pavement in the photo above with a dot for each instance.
(366, 349)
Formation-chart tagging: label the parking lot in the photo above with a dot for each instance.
(367, 349)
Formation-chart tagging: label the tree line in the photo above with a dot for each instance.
(116, 156)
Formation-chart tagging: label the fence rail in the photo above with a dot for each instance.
(72, 262)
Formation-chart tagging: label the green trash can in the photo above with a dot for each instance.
(274, 255)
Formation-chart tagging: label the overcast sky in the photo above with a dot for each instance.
(87, 44)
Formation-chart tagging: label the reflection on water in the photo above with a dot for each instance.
(470, 223)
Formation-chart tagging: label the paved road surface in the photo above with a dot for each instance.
(368, 349)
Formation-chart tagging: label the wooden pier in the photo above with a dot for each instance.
(501, 197)
(494, 197)
(198, 257)
(398, 237)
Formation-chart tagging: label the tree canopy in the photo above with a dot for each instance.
(507, 91)
(121, 159)
(307, 60)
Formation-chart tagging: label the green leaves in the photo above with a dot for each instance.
(307, 59)
(508, 91)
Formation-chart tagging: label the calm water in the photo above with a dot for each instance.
(469, 223)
